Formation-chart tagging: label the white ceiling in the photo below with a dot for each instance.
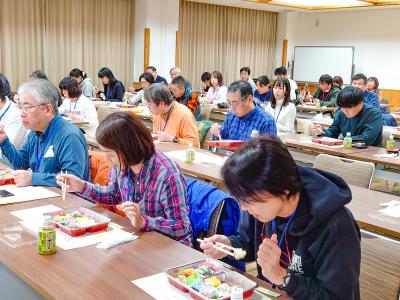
(276, 8)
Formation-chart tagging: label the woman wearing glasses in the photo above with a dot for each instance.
(146, 80)
(294, 223)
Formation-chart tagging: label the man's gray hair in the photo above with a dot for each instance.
(176, 69)
(43, 91)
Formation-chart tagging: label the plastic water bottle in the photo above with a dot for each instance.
(190, 154)
(391, 143)
(317, 103)
(47, 237)
(347, 142)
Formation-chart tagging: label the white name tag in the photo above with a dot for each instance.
(50, 152)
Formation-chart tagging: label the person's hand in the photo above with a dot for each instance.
(215, 129)
(74, 184)
(131, 89)
(268, 258)
(102, 96)
(72, 116)
(22, 177)
(207, 245)
(96, 89)
(316, 130)
(164, 137)
(3, 134)
(133, 213)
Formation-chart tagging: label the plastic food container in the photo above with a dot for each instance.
(226, 144)
(6, 178)
(223, 274)
(101, 222)
(327, 141)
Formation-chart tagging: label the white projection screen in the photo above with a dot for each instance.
(310, 62)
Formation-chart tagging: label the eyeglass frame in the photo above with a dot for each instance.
(28, 109)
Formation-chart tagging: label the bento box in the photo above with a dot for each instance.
(78, 221)
(208, 279)
(327, 141)
(6, 177)
(226, 144)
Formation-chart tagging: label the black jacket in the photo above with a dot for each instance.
(323, 238)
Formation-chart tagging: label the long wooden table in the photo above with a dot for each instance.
(91, 273)
(311, 108)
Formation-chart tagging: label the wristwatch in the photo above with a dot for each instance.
(175, 139)
(286, 280)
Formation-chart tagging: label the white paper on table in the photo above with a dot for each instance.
(35, 212)
(392, 209)
(200, 157)
(159, 288)
(27, 193)
(385, 155)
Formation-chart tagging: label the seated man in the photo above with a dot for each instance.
(281, 72)
(183, 94)
(53, 145)
(175, 72)
(327, 92)
(206, 79)
(9, 117)
(360, 80)
(245, 76)
(172, 121)
(157, 78)
(244, 117)
(263, 92)
(362, 120)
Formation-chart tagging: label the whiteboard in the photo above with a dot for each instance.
(310, 62)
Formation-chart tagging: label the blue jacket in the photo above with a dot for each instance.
(64, 149)
(202, 200)
(115, 92)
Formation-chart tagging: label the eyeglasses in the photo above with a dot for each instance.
(27, 109)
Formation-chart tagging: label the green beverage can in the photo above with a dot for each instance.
(347, 142)
(391, 143)
(190, 154)
(47, 238)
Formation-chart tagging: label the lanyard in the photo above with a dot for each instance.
(8, 107)
(284, 231)
(168, 115)
(129, 193)
(276, 120)
(39, 157)
(76, 102)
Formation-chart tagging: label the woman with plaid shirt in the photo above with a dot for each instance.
(147, 185)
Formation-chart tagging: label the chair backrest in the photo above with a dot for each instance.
(354, 172)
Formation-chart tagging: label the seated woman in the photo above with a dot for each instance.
(146, 80)
(217, 91)
(294, 223)
(148, 186)
(114, 90)
(76, 106)
(86, 83)
(280, 107)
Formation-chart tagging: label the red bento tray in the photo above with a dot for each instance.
(6, 178)
(226, 144)
(101, 221)
(327, 141)
(229, 276)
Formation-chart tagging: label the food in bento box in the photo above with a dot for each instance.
(75, 219)
(6, 177)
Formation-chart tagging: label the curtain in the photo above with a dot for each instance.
(215, 37)
(59, 35)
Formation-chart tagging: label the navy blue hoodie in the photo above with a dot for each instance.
(323, 239)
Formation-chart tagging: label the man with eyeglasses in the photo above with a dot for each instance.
(53, 145)
(245, 116)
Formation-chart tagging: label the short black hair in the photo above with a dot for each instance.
(243, 87)
(151, 68)
(262, 164)
(326, 78)
(77, 72)
(71, 86)
(179, 81)
(360, 76)
(350, 96)
(246, 69)
(205, 76)
(157, 93)
(106, 72)
(263, 80)
(2, 91)
(38, 74)
(147, 76)
(280, 71)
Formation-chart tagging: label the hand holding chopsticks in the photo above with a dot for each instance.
(237, 253)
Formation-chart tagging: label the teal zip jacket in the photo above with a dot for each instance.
(60, 147)
(366, 126)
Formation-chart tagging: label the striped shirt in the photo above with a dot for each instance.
(160, 190)
(239, 128)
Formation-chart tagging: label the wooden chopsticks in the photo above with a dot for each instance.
(237, 253)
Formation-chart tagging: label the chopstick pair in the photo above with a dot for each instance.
(64, 187)
(237, 253)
